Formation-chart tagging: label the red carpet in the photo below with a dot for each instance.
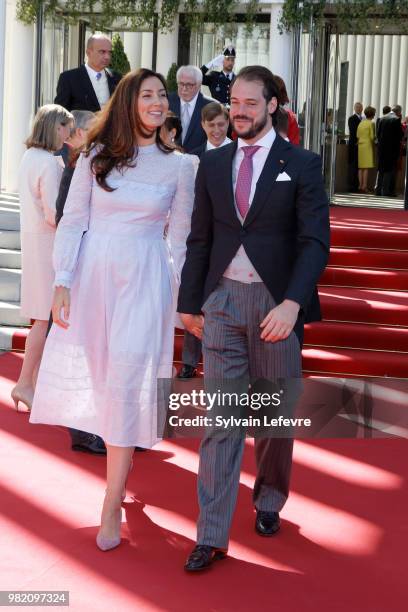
(364, 297)
(342, 547)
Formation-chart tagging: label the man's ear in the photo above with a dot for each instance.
(272, 105)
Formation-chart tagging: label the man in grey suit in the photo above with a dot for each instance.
(259, 242)
(187, 104)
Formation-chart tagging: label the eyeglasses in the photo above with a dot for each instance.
(186, 85)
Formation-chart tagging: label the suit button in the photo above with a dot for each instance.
(243, 233)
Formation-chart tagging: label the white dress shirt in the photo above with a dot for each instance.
(211, 146)
(241, 268)
(191, 107)
(100, 86)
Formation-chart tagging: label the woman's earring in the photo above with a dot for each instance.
(172, 139)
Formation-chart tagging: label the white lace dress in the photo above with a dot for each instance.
(100, 375)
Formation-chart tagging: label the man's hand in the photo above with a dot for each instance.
(280, 321)
(62, 300)
(216, 61)
(193, 324)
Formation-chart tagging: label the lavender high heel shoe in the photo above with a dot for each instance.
(104, 543)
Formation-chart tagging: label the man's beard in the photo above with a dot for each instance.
(255, 128)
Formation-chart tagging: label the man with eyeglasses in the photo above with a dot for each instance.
(187, 104)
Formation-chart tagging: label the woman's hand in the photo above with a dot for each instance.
(193, 324)
(62, 300)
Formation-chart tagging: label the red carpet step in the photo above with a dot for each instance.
(369, 258)
(354, 362)
(364, 297)
(364, 306)
(357, 335)
(366, 278)
(367, 227)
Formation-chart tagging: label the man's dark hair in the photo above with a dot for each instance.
(261, 75)
(386, 110)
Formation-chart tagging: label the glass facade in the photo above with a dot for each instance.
(251, 48)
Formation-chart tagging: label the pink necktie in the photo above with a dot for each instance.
(244, 180)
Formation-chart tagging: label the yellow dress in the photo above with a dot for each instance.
(365, 138)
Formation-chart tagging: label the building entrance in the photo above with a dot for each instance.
(336, 72)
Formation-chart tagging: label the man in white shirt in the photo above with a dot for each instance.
(90, 86)
(187, 104)
(215, 123)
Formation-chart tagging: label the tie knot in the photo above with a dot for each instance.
(250, 151)
(98, 76)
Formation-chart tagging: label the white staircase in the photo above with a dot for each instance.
(10, 270)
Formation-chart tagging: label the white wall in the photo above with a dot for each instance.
(378, 70)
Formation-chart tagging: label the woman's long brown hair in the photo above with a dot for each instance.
(115, 130)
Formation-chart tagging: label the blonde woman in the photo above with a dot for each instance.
(39, 178)
(366, 140)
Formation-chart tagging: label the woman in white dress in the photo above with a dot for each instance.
(39, 178)
(116, 284)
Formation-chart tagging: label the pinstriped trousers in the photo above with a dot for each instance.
(232, 349)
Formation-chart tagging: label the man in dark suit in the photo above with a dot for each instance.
(353, 123)
(385, 111)
(390, 135)
(259, 242)
(187, 104)
(219, 81)
(90, 86)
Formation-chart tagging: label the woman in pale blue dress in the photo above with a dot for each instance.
(116, 284)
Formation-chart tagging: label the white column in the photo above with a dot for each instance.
(360, 68)
(132, 42)
(73, 44)
(2, 62)
(240, 49)
(385, 71)
(377, 75)
(403, 71)
(395, 67)
(351, 57)
(147, 50)
(167, 49)
(368, 71)
(280, 48)
(19, 98)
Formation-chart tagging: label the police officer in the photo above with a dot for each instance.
(219, 82)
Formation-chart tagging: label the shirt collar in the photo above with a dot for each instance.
(93, 72)
(211, 146)
(191, 103)
(266, 141)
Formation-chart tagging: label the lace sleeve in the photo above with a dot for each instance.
(73, 224)
(49, 184)
(181, 210)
